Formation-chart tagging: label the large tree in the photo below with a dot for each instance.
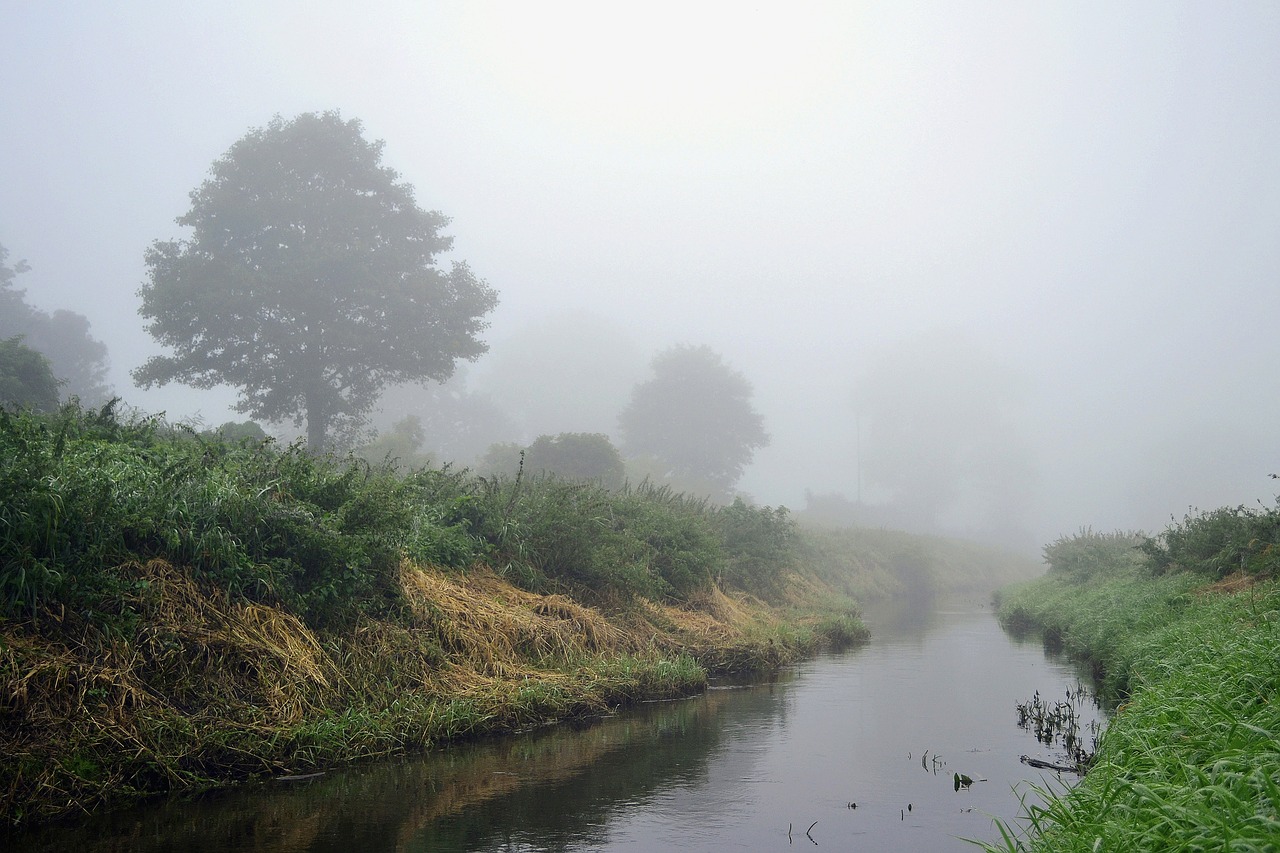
(695, 415)
(309, 281)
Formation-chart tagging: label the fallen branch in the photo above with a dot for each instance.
(1049, 765)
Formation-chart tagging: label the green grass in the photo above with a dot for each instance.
(180, 609)
(1191, 757)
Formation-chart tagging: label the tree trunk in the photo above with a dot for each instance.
(317, 423)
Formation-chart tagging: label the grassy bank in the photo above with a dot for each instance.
(179, 611)
(1189, 655)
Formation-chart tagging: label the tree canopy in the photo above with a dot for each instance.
(694, 415)
(577, 456)
(26, 380)
(77, 359)
(309, 281)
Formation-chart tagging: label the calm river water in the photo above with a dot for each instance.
(767, 766)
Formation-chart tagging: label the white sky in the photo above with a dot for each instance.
(1089, 191)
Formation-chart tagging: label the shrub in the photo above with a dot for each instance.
(759, 545)
(1086, 554)
(577, 456)
(1218, 542)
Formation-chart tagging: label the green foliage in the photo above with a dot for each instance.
(577, 456)
(89, 492)
(237, 432)
(696, 416)
(548, 532)
(26, 379)
(1218, 543)
(501, 459)
(401, 446)
(1188, 761)
(759, 545)
(77, 360)
(1087, 553)
(309, 281)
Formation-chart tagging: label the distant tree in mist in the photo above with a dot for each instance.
(401, 445)
(502, 458)
(26, 379)
(569, 373)
(309, 281)
(577, 456)
(237, 431)
(457, 424)
(568, 456)
(77, 359)
(938, 419)
(695, 416)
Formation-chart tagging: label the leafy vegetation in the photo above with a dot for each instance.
(77, 360)
(178, 608)
(1189, 660)
(1219, 542)
(1087, 553)
(309, 281)
(26, 379)
(694, 418)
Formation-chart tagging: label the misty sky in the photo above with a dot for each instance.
(1070, 209)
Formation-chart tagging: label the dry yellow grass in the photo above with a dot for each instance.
(484, 621)
(212, 688)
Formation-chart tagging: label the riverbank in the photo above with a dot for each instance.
(1192, 665)
(210, 691)
(180, 611)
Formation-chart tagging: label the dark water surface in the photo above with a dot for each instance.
(739, 768)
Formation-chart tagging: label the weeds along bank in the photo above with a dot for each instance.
(178, 611)
(871, 564)
(1184, 633)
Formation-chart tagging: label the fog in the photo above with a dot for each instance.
(1012, 264)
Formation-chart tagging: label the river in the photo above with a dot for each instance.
(850, 751)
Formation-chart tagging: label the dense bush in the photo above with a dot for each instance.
(548, 532)
(759, 544)
(89, 491)
(86, 491)
(577, 456)
(1087, 553)
(1219, 542)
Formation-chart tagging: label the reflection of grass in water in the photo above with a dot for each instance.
(403, 800)
(211, 688)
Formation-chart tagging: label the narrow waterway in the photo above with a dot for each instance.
(767, 766)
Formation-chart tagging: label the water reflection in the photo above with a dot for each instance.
(554, 789)
(733, 769)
